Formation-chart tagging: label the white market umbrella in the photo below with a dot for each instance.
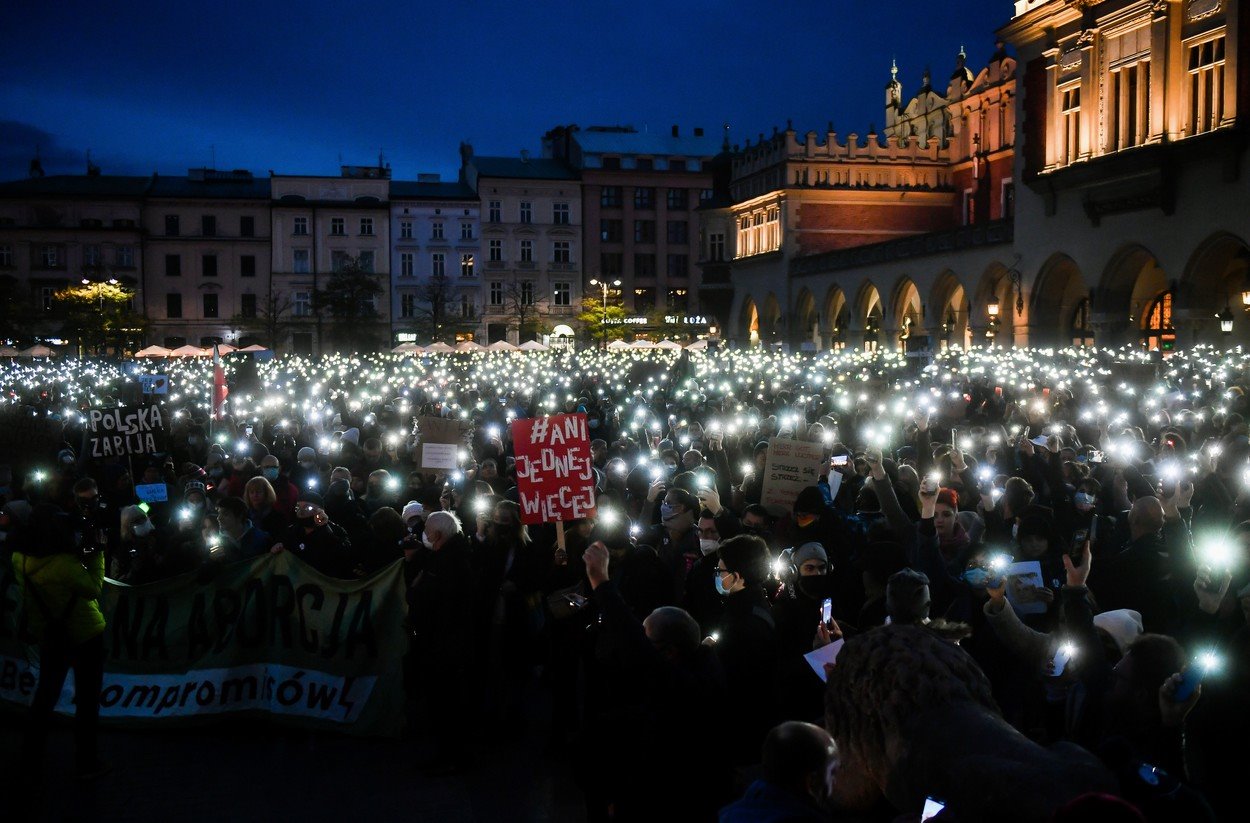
(37, 350)
(407, 348)
(8, 351)
(534, 345)
(188, 351)
(254, 347)
(642, 344)
(619, 345)
(153, 351)
(668, 344)
(439, 348)
(698, 345)
(501, 345)
(469, 346)
(222, 348)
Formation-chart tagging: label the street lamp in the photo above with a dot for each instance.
(1226, 320)
(604, 325)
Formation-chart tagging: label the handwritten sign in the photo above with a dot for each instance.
(440, 439)
(792, 466)
(555, 474)
(124, 430)
(154, 383)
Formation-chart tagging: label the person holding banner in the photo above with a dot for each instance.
(60, 584)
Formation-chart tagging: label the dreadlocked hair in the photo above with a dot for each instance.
(885, 677)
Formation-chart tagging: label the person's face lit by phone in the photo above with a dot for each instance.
(708, 530)
(813, 568)
(944, 520)
(256, 498)
(1033, 546)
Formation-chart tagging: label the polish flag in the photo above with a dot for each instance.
(220, 389)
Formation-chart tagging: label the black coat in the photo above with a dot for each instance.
(747, 650)
(440, 603)
(326, 548)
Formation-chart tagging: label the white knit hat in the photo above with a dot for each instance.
(1124, 625)
(413, 509)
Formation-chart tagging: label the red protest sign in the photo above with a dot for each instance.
(555, 475)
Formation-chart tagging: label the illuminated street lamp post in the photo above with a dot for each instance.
(603, 326)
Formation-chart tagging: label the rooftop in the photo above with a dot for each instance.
(522, 168)
(646, 143)
(416, 190)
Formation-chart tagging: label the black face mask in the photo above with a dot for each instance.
(816, 588)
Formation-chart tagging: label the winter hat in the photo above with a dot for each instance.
(311, 497)
(1124, 626)
(411, 510)
(192, 487)
(809, 551)
(907, 597)
(305, 453)
(352, 436)
(810, 501)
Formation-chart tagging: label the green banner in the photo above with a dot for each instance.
(269, 636)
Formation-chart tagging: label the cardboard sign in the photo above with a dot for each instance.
(555, 473)
(123, 431)
(792, 466)
(152, 492)
(440, 440)
(1024, 579)
(154, 383)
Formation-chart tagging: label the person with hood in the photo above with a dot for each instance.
(61, 587)
(306, 474)
(675, 539)
(317, 541)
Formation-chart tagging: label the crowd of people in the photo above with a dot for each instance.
(1019, 589)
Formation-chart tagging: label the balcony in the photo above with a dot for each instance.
(562, 266)
(526, 264)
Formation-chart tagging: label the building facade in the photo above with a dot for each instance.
(436, 233)
(531, 211)
(640, 198)
(320, 225)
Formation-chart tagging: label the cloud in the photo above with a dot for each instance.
(19, 143)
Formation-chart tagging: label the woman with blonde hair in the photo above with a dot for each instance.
(261, 506)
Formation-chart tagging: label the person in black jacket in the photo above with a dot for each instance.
(317, 541)
(440, 609)
(747, 642)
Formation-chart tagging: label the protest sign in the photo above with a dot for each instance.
(271, 636)
(123, 431)
(792, 466)
(152, 492)
(440, 443)
(555, 474)
(154, 383)
(1024, 580)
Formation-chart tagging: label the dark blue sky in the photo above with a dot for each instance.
(292, 86)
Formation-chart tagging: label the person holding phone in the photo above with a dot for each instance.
(315, 540)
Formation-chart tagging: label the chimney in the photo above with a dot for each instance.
(698, 132)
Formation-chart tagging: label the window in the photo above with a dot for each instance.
(173, 265)
(438, 264)
(644, 300)
(1157, 330)
(405, 229)
(527, 292)
(527, 251)
(705, 196)
(49, 256)
(467, 308)
(6, 256)
(208, 225)
(46, 295)
(300, 226)
(612, 162)
(466, 265)
(124, 257)
(171, 225)
(678, 300)
(677, 200)
(436, 230)
(466, 231)
(1130, 101)
(301, 304)
(407, 305)
(247, 226)
(611, 231)
(247, 265)
(405, 264)
(527, 211)
(338, 260)
(210, 306)
(678, 232)
(1070, 134)
(338, 226)
(678, 265)
(560, 213)
(495, 251)
(173, 306)
(495, 212)
(365, 260)
(644, 265)
(645, 164)
(676, 165)
(610, 263)
(91, 255)
(208, 265)
(248, 307)
(1206, 85)
(561, 252)
(644, 231)
(716, 246)
(1082, 331)
(1009, 200)
(299, 261)
(610, 197)
(644, 198)
(496, 293)
(366, 227)
(563, 294)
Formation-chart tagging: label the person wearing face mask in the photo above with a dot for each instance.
(747, 642)
(701, 599)
(285, 492)
(315, 540)
(793, 786)
(137, 552)
(676, 539)
(307, 470)
(1081, 515)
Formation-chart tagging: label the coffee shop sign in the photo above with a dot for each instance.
(669, 319)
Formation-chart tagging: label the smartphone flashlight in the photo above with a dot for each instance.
(999, 563)
(826, 611)
(1204, 664)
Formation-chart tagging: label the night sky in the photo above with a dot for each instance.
(294, 87)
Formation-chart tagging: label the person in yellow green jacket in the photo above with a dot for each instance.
(60, 587)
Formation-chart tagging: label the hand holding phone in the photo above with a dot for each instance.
(826, 611)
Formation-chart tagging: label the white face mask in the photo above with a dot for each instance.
(144, 529)
(425, 538)
(1015, 528)
(708, 546)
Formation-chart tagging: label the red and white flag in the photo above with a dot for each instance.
(220, 389)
